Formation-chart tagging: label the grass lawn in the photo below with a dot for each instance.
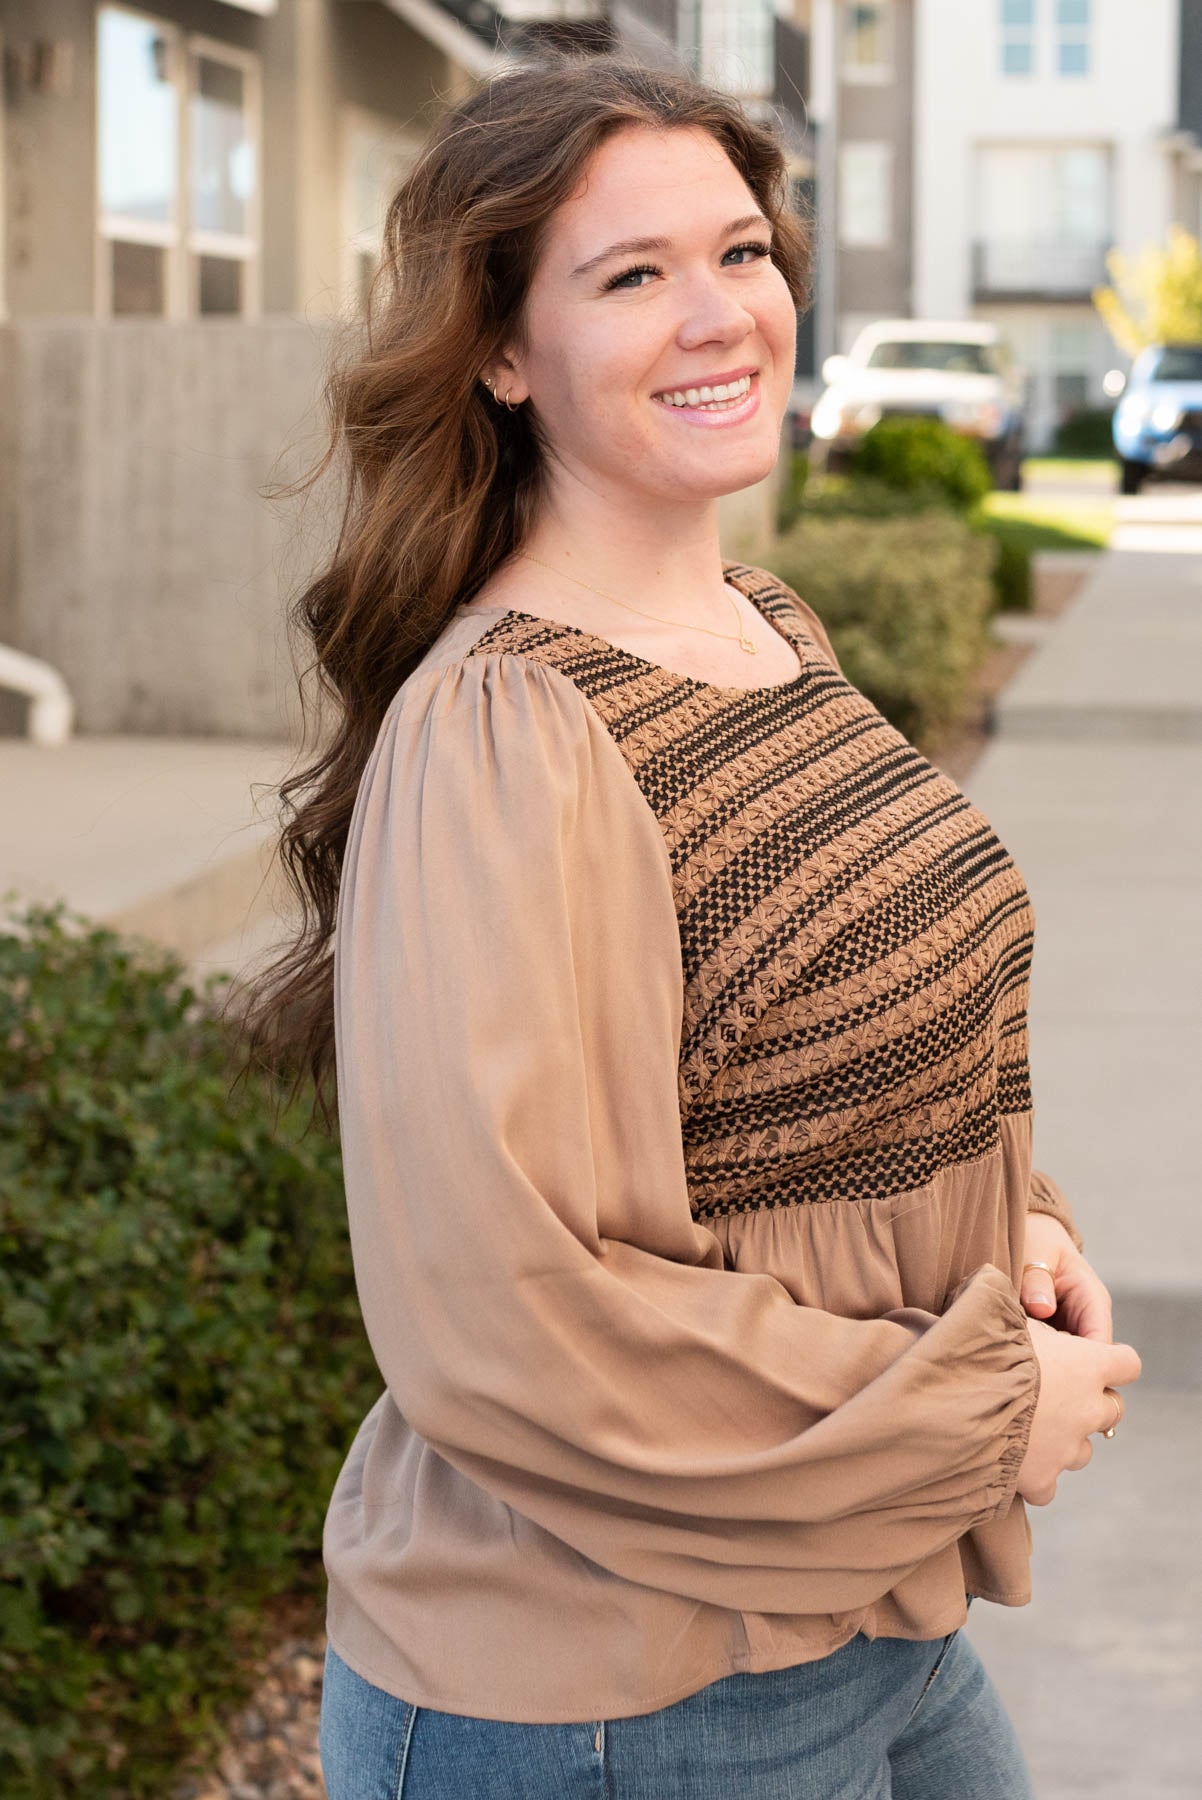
(1099, 470)
(1057, 522)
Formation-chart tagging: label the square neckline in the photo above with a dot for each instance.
(692, 681)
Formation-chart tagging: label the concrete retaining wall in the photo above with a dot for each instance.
(138, 554)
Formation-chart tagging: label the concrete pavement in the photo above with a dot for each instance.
(1093, 781)
(169, 838)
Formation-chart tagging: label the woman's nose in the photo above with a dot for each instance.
(711, 309)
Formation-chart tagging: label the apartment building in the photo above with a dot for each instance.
(863, 118)
(979, 158)
(1045, 132)
(192, 195)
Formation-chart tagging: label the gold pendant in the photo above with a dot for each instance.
(745, 643)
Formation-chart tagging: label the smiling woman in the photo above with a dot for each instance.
(679, 1025)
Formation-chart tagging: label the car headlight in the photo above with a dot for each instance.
(834, 417)
(1166, 416)
(827, 416)
(1132, 412)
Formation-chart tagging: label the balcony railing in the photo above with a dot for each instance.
(1037, 268)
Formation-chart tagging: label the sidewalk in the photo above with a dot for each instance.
(1093, 782)
(169, 838)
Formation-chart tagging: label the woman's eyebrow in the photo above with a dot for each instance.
(627, 246)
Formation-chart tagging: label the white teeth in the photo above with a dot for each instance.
(707, 396)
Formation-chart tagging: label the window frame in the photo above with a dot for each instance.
(868, 74)
(360, 127)
(1074, 37)
(885, 152)
(182, 243)
(1010, 35)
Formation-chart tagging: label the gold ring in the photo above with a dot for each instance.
(1038, 1265)
(1109, 1432)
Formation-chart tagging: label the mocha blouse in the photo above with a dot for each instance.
(686, 1125)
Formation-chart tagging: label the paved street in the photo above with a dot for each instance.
(1093, 782)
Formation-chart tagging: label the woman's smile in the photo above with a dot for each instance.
(713, 412)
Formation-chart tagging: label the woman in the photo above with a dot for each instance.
(680, 1012)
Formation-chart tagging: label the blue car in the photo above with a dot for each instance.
(1157, 424)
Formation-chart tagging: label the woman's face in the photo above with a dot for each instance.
(611, 330)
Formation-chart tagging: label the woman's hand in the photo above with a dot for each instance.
(1073, 1373)
(1073, 1297)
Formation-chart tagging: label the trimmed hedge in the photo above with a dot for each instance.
(865, 497)
(790, 499)
(1086, 432)
(181, 1354)
(906, 602)
(1013, 573)
(921, 453)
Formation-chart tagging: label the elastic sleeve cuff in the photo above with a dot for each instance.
(1018, 1436)
(1044, 1196)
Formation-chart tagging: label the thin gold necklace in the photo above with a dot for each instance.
(744, 641)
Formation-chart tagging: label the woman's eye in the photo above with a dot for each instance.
(641, 269)
(757, 250)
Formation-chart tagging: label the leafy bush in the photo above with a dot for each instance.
(1013, 577)
(1085, 432)
(181, 1356)
(863, 497)
(867, 497)
(906, 603)
(790, 501)
(919, 453)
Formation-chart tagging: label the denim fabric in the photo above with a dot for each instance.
(882, 1719)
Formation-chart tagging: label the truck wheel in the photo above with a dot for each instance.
(1132, 476)
(1013, 483)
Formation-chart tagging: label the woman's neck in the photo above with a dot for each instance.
(680, 584)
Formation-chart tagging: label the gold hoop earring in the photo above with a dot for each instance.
(509, 391)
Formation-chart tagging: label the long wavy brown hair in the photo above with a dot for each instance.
(441, 484)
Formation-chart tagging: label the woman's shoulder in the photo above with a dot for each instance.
(461, 670)
(482, 712)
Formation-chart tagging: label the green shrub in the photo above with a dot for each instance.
(867, 497)
(923, 453)
(1086, 432)
(1013, 576)
(790, 502)
(181, 1358)
(906, 603)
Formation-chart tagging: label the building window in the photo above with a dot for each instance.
(865, 195)
(735, 48)
(867, 41)
(1018, 36)
(377, 155)
(177, 157)
(1072, 37)
(1070, 346)
(1045, 213)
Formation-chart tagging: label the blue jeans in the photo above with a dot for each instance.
(879, 1719)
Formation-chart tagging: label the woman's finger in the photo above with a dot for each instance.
(1085, 1305)
(1037, 1291)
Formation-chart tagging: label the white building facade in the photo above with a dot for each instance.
(1042, 138)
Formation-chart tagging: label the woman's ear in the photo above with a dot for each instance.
(500, 377)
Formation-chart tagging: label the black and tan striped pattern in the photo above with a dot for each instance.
(856, 941)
